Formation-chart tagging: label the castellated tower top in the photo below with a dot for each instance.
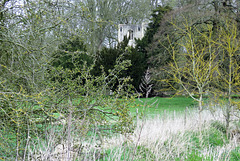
(132, 32)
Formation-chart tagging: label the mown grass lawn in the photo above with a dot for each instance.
(157, 105)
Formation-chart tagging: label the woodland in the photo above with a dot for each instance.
(66, 82)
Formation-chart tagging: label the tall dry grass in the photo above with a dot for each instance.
(171, 137)
(168, 136)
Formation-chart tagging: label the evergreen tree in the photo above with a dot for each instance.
(107, 58)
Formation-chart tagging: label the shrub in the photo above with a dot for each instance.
(63, 112)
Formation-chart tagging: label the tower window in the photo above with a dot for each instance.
(130, 33)
(120, 29)
(139, 28)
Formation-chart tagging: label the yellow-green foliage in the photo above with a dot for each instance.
(72, 101)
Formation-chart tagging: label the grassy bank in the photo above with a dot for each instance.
(177, 136)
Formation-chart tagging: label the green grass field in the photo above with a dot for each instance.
(157, 105)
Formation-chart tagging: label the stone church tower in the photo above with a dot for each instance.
(132, 32)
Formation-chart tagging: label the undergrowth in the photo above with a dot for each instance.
(190, 142)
